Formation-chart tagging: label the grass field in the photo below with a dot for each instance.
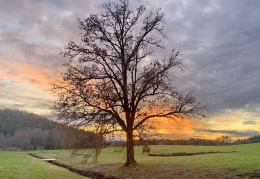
(244, 163)
(22, 166)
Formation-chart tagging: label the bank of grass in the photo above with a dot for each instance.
(20, 165)
(243, 163)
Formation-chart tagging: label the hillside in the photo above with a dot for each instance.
(20, 130)
(12, 121)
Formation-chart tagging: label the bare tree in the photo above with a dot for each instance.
(224, 139)
(112, 83)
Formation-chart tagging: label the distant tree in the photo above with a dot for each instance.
(33, 143)
(113, 83)
(2, 141)
(224, 139)
(74, 138)
(50, 143)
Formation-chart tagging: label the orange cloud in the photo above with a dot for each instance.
(184, 128)
(225, 120)
(27, 74)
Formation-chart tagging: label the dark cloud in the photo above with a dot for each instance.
(33, 81)
(249, 122)
(50, 116)
(13, 72)
(170, 136)
(219, 42)
(233, 133)
(17, 106)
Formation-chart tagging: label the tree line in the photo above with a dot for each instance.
(253, 139)
(222, 140)
(191, 141)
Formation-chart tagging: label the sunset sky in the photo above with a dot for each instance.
(219, 41)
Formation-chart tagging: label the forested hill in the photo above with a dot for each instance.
(20, 130)
(13, 120)
(26, 131)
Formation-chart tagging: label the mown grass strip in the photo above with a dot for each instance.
(86, 173)
(20, 165)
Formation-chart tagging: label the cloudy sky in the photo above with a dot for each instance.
(219, 41)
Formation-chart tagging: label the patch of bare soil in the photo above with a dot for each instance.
(183, 172)
(255, 174)
(187, 154)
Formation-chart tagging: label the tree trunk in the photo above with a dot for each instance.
(130, 161)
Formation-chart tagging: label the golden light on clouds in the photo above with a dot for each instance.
(184, 128)
(30, 75)
(27, 87)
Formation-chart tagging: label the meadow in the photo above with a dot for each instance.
(244, 163)
(22, 166)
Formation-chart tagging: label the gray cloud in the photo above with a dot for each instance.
(17, 106)
(14, 96)
(219, 41)
(50, 116)
(233, 133)
(249, 122)
(220, 50)
(26, 102)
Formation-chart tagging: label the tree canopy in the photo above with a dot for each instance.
(113, 83)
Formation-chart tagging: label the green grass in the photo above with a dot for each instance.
(244, 162)
(247, 156)
(22, 166)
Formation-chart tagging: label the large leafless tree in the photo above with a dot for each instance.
(113, 83)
